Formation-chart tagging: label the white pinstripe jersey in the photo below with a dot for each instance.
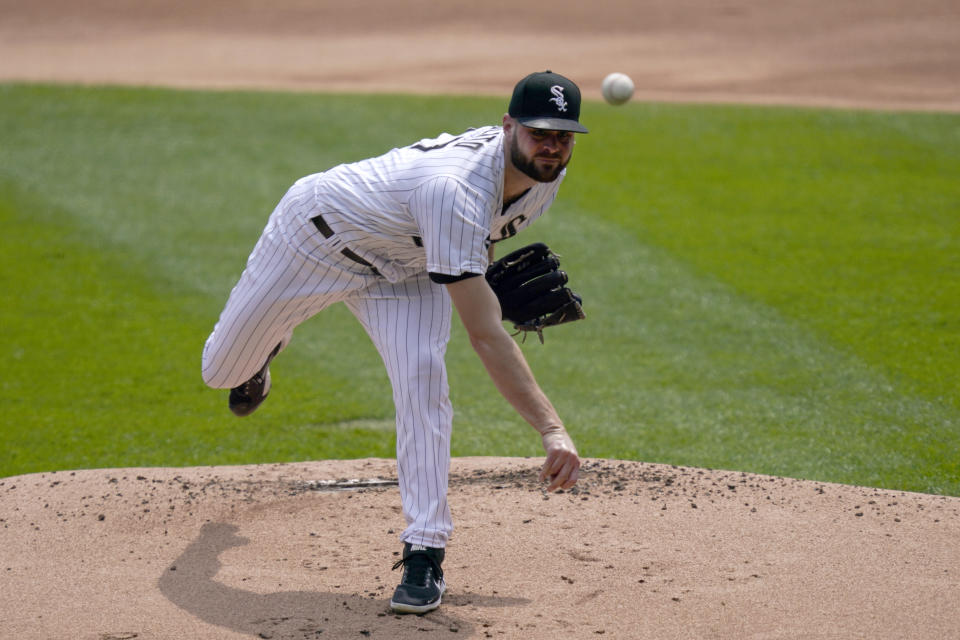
(434, 205)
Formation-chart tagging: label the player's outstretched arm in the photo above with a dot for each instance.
(480, 313)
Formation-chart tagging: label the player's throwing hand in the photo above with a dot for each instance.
(562, 467)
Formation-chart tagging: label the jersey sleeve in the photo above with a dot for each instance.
(454, 221)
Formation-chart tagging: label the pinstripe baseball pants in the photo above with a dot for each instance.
(293, 274)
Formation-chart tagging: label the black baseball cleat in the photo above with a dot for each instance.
(245, 399)
(422, 584)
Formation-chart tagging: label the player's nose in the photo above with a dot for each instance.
(551, 144)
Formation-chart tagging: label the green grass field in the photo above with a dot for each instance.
(771, 290)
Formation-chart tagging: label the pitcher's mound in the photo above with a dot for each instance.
(636, 550)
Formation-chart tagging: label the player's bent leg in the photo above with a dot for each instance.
(250, 326)
(289, 278)
(258, 315)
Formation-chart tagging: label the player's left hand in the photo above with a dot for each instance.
(562, 467)
(532, 289)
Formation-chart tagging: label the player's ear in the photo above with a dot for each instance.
(508, 122)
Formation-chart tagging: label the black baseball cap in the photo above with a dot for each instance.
(547, 100)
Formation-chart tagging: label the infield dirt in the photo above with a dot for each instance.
(636, 550)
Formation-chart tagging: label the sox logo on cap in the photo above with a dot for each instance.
(558, 98)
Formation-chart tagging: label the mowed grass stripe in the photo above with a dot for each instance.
(846, 221)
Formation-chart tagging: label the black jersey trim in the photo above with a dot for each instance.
(442, 278)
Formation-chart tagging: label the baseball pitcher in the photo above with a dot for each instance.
(401, 240)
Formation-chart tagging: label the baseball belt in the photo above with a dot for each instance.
(327, 232)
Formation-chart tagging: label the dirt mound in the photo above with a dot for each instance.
(634, 551)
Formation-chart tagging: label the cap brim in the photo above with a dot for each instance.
(553, 124)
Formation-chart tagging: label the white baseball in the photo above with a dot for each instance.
(617, 88)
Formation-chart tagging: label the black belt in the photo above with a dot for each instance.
(325, 229)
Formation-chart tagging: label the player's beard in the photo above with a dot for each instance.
(528, 166)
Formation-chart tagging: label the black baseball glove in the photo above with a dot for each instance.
(531, 289)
